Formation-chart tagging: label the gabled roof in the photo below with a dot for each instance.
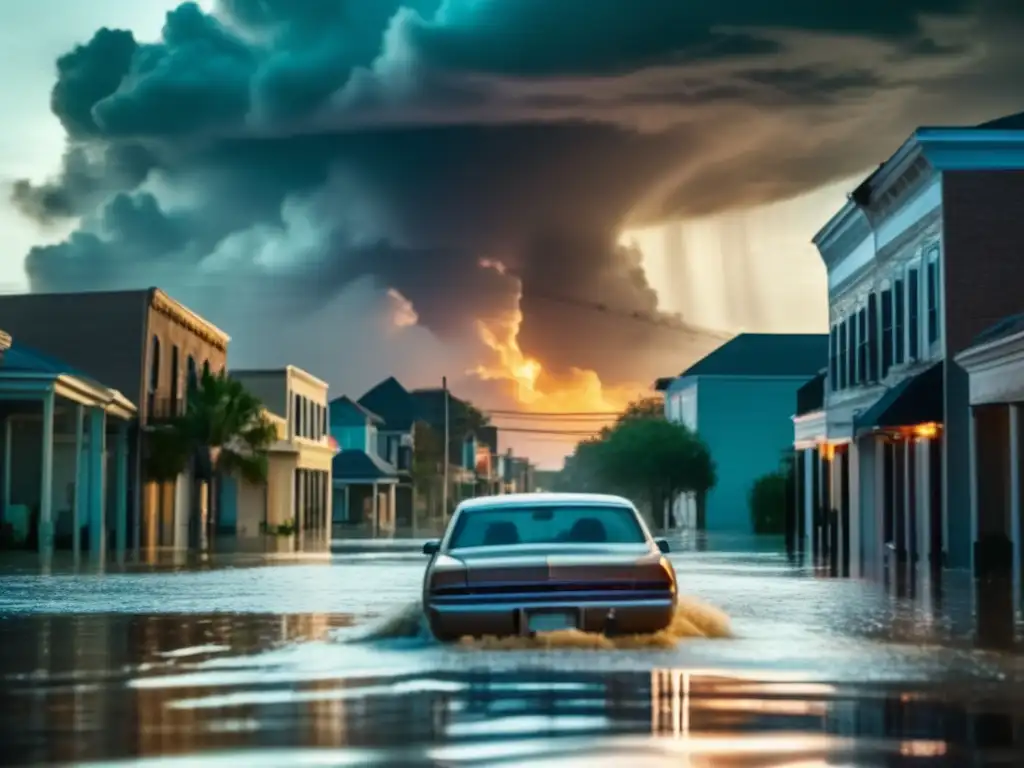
(393, 403)
(353, 464)
(1013, 122)
(346, 403)
(765, 354)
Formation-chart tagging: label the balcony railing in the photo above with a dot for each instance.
(165, 408)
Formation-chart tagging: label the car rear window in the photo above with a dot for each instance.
(533, 524)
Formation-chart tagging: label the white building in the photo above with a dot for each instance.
(922, 258)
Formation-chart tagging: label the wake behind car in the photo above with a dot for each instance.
(541, 562)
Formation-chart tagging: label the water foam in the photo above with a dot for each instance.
(693, 619)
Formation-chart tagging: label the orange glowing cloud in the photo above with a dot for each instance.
(533, 387)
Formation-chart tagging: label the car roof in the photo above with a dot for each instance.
(544, 499)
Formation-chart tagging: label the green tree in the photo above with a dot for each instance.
(645, 457)
(768, 499)
(427, 457)
(224, 430)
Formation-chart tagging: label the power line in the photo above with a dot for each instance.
(567, 432)
(501, 412)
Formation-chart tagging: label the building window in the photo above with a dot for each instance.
(913, 312)
(873, 337)
(193, 379)
(842, 355)
(175, 375)
(886, 331)
(154, 367)
(932, 279)
(899, 321)
(833, 358)
(323, 421)
(862, 346)
(297, 416)
(851, 349)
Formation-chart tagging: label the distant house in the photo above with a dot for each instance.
(365, 485)
(740, 399)
(396, 408)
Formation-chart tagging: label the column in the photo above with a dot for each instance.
(347, 511)
(121, 487)
(76, 505)
(300, 504)
(97, 506)
(908, 500)
(808, 500)
(46, 478)
(392, 506)
(1015, 521)
(329, 503)
(972, 469)
(923, 449)
(375, 525)
(854, 511)
(881, 449)
(8, 442)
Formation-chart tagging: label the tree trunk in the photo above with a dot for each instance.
(702, 522)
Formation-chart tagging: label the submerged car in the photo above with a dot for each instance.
(541, 562)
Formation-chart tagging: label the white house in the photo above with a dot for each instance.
(740, 399)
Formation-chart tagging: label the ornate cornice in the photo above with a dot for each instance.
(188, 319)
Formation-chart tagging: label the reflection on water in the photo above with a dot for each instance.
(231, 654)
(478, 717)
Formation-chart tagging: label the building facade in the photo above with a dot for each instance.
(739, 399)
(920, 260)
(143, 344)
(298, 488)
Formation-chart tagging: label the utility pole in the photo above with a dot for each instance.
(445, 454)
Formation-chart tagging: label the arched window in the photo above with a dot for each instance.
(175, 378)
(192, 374)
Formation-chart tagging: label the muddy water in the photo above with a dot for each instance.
(322, 659)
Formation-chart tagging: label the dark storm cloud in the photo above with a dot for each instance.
(407, 140)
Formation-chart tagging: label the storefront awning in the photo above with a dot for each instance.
(915, 400)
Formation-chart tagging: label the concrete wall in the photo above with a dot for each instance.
(747, 424)
(280, 495)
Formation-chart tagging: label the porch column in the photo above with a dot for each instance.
(391, 506)
(76, 502)
(121, 486)
(375, 512)
(807, 457)
(7, 467)
(347, 510)
(1015, 522)
(923, 449)
(300, 511)
(329, 502)
(46, 478)
(97, 506)
(908, 500)
(881, 497)
(972, 470)
(854, 510)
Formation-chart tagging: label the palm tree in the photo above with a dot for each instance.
(224, 430)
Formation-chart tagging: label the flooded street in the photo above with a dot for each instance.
(319, 660)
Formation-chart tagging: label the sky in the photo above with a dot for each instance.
(549, 202)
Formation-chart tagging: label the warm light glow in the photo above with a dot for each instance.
(533, 387)
(928, 430)
(828, 451)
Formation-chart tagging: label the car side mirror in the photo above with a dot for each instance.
(431, 548)
(663, 546)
